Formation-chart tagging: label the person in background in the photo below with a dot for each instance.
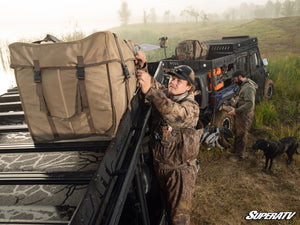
(175, 142)
(243, 112)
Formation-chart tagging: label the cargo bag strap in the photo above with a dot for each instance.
(194, 49)
(132, 49)
(82, 92)
(39, 90)
(125, 71)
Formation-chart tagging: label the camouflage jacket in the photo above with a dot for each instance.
(246, 97)
(175, 141)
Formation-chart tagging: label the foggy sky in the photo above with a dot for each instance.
(29, 18)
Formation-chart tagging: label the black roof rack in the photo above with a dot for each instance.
(230, 45)
(235, 37)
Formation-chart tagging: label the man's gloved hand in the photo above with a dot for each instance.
(232, 112)
(141, 59)
(144, 80)
(232, 102)
(225, 107)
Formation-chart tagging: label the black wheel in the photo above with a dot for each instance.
(223, 119)
(269, 89)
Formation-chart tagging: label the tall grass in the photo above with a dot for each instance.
(4, 57)
(76, 35)
(281, 116)
(285, 72)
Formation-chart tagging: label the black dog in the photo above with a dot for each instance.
(272, 149)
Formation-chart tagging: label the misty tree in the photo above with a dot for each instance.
(124, 14)
(153, 16)
(204, 16)
(269, 9)
(297, 7)
(214, 16)
(259, 11)
(167, 16)
(245, 13)
(288, 8)
(226, 15)
(145, 17)
(277, 8)
(273, 9)
(231, 14)
(191, 12)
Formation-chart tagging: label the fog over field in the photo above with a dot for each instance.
(24, 19)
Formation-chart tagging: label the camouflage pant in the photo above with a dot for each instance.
(178, 187)
(243, 124)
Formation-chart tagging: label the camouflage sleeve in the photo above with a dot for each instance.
(156, 85)
(249, 98)
(182, 115)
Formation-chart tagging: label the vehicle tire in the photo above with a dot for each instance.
(269, 89)
(223, 119)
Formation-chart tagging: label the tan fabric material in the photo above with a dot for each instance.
(191, 49)
(104, 85)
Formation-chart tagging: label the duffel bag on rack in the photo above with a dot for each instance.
(74, 89)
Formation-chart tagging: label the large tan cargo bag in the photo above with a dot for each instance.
(191, 50)
(74, 89)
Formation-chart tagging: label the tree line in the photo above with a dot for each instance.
(272, 9)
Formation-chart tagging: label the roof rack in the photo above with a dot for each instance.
(230, 45)
(235, 37)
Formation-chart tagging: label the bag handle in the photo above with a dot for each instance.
(40, 94)
(125, 71)
(48, 37)
(82, 92)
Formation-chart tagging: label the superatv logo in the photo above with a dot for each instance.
(254, 215)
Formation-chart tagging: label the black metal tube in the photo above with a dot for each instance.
(141, 196)
(23, 178)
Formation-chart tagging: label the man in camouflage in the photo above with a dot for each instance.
(243, 113)
(175, 141)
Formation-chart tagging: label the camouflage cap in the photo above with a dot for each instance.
(183, 72)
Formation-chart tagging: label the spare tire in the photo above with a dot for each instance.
(268, 89)
(223, 119)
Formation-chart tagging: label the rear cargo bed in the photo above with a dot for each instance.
(76, 182)
(41, 183)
